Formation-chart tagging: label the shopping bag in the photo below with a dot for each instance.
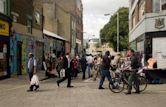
(62, 73)
(34, 80)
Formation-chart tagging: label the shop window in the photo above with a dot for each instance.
(3, 58)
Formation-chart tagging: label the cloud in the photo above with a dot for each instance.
(94, 11)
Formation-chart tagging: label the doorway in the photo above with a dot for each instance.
(19, 58)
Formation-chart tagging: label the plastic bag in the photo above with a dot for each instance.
(34, 80)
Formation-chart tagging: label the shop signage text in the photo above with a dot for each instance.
(4, 28)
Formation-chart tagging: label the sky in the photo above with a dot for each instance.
(93, 15)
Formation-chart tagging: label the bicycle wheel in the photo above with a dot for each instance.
(142, 83)
(118, 85)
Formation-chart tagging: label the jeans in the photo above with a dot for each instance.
(105, 73)
(133, 78)
(83, 73)
(89, 70)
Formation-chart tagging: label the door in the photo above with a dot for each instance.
(19, 58)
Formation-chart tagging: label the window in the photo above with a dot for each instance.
(2, 6)
(163, 4)
(29, 25)
(37, 18)
(141, 9)
(156, 5)
(159, 5)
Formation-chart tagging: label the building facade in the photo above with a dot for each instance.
(74, 26)
(5, 25)
(147, 19)
(26, 34)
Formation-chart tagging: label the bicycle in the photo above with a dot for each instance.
(120, 81)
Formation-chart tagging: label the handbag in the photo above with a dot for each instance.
(62, 73)
(34, 80)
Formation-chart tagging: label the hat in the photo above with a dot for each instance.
(30, 53)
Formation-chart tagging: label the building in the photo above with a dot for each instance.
(74, 26)
(147, 19)
(26, 34)
(5, 25)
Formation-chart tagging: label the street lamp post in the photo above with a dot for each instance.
(117, 29)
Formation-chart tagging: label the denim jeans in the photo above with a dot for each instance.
(105, 73)
(89, 70)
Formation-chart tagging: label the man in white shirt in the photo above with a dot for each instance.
(31, 69)
(90, 64)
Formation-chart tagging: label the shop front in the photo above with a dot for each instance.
(4, 46)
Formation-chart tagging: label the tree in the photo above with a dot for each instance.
(97, 45)
(108, 33)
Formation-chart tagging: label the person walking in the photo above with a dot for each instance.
(32, 70)
(74, 67)
(66, 66)
(90, 64)
(83, 63)
(105, 69)
(133, 74)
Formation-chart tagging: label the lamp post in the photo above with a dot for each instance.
(117, 13)
(117, 31)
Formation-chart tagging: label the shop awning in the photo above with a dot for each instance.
(48, 33)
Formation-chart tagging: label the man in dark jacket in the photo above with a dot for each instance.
(133, 74)
(105, 69)
(83, 62)
(66, 66)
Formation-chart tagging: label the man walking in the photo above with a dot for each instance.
(90, 64)
(66, 66)
(133, 73)
(31, 69)
(105, 69)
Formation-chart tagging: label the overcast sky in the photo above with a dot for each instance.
(94, 11)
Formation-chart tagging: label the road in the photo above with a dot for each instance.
(84, 94)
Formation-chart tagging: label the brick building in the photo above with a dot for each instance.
(63, 29)
(147, 28)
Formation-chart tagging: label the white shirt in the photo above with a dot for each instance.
(33, 63)
(90, 59)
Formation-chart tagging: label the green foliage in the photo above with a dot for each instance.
(97, 45)
(109, 32)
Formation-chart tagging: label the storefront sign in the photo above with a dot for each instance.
(4, 28)
(159, 23)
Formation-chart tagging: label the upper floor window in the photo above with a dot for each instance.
(141, 9)
(163, 4)
(159, 5)
(2, 6)
(29, 25)
(37, 18)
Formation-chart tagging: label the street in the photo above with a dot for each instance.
(84, 94)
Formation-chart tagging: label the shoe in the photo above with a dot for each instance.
(137, 92)
(36, 87)
(128, 93)
(58, 84)
(101, 88)
(29, 90)
(70, 86)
